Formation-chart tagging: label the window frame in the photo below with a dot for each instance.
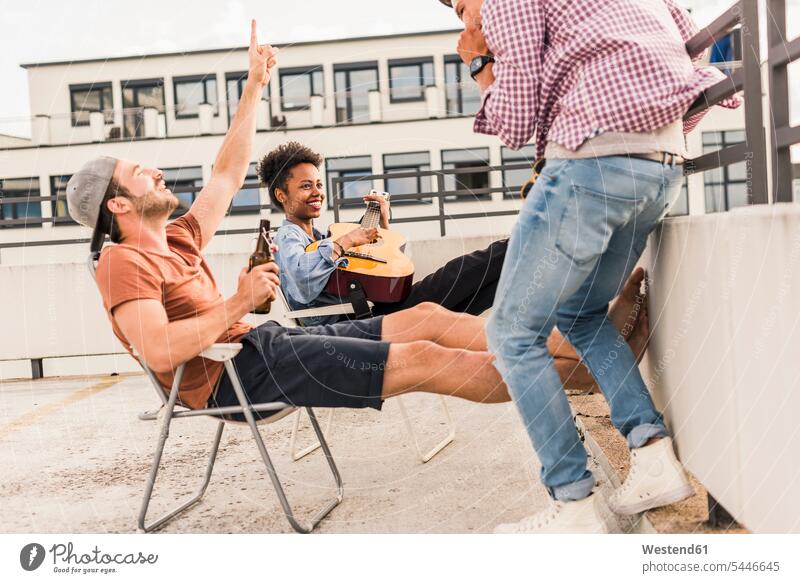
(405, 168)
(456, 60)
(252, 172)
(517, 157)
(468, 197)
(241, 78)
(345, 203)
(138, 84)
(203, 79)
(720, 144)
(406, 62)
(684, 189)
(15, 205)
(296, 71)
(348, 68)
(108, 113)
(65, 219)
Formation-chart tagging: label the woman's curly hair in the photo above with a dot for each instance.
(276, 167)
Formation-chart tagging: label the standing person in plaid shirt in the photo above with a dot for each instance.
(604, 86)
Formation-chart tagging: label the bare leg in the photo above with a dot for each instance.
(628, 313)
(429, 367)
(429, 321)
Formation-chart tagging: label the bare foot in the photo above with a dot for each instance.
(628, 313)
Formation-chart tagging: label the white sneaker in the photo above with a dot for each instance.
(656, 479)
(579, 517)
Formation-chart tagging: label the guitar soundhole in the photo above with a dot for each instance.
(377, 243)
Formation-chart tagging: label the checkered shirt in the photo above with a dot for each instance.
(568, 70)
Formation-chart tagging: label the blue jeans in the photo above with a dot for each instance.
(580, 232)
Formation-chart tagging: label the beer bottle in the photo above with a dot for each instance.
(261, 256)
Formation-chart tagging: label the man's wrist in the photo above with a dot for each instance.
(236, 306)
(252, 87)
(342, 243)
(486, 77)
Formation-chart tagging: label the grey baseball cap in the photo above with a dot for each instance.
(87, 188)
(85, 193)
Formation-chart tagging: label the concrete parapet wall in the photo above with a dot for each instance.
(53, 311)
(723, 364)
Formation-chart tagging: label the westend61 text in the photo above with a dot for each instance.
(65, 554)
(673, 550)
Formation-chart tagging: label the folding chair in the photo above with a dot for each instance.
(359, 307)
(223, 353)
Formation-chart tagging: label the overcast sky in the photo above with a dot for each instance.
(58, 30)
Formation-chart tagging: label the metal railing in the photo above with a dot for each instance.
(440, 195)
(65, 220)
(753, 151)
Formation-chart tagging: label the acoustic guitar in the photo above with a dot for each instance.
(384, 272)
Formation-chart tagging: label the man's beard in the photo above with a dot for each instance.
(153, 206)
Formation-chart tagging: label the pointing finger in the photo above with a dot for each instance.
(253, 34)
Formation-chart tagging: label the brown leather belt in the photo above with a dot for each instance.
(663, 157)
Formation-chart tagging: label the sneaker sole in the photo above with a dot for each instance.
(600, 529)
(670, 497)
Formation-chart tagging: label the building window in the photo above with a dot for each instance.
(234, 86)
(352, 83)
(298, 85)
(136, 96)
(85, 99)
(185, 183)
(190, 92)
(681, 205)
(351, 167)
(513, 180)
(20, 212)
(727, 49)
(58, 189)
(726, 187)
(475, 183)
(463, 94)
(408, 79)
(248, 199)
(411, 162)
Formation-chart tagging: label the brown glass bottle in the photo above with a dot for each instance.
(261, 256)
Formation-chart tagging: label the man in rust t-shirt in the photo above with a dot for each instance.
(183, 282)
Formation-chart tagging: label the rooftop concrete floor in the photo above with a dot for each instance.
(74, 458)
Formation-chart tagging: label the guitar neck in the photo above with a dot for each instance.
(372, 216)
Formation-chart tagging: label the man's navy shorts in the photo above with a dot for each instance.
(332, 365)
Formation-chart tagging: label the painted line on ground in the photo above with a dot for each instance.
(41, 412)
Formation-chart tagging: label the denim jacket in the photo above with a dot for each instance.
(304, 275)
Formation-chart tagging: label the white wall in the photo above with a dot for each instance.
(723, 362)
(54, 310)
(49, 84)
(427, 135)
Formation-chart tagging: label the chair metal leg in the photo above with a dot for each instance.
(296, 455)
(448, 439)
(273, 475)
(169, 407)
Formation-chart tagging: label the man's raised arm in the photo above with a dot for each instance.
(233, 159)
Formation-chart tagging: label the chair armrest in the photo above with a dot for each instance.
(221, 352)
(333, 310)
